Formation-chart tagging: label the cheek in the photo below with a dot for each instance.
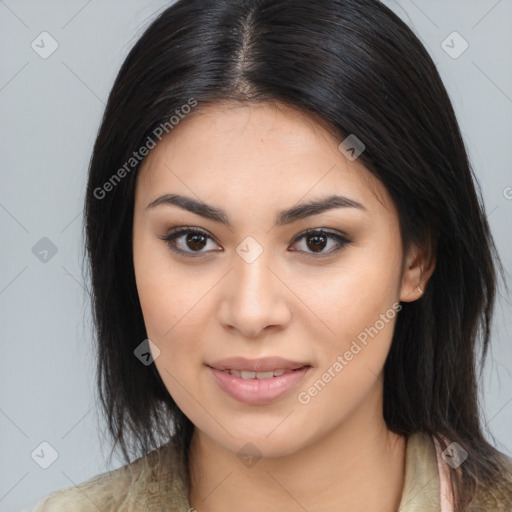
(171, 325)
(352, 297)
(160, 287)
(359, 303)
(349, 371)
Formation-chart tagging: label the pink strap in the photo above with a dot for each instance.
(444, 480)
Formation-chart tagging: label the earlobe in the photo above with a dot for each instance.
(416, 275)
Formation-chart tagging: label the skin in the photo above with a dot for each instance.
(335, 452)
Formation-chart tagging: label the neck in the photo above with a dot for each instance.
(357, 466)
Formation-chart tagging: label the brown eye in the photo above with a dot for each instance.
(188, 241)
(318, 239)
(195, 241)
(317, 242)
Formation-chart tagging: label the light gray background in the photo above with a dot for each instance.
(51, 109)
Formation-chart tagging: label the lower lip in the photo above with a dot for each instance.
(258, 391)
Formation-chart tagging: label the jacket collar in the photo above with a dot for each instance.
(421, 491)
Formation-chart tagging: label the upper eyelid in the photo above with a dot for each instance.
(184, 229)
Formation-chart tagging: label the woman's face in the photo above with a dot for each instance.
(256, 288)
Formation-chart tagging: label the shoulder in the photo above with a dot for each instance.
(497, 498)
(493, 494)
(422, 452)
(107, 488)
(145, 484)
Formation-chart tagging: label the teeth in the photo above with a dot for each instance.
(256, 375)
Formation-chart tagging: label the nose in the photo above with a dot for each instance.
(254, 298)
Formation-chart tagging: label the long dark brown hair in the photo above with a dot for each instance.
(355, 66)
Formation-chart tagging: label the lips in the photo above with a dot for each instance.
(259, 391)
(253, 367)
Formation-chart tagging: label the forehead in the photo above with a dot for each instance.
(270, 150)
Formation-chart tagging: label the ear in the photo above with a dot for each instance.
(418, 267)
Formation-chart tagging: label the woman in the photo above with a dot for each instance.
(291, 270)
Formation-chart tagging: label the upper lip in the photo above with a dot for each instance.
(265, 364)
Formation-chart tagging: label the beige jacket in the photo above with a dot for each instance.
(135, 488)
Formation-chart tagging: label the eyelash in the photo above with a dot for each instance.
(177, 233)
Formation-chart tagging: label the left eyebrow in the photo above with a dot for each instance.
(288, 216)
